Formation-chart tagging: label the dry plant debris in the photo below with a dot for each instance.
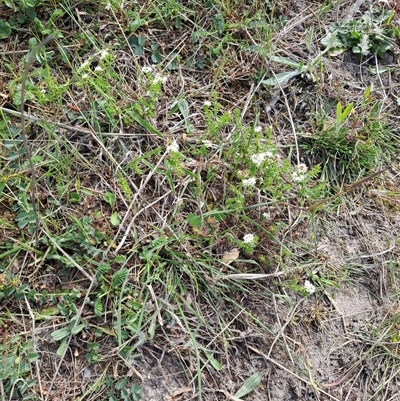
(218, 193)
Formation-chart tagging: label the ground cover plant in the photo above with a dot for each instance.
(199, 200)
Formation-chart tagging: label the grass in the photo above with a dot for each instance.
(190, 160)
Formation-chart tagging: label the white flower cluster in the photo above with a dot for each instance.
(258, 158)
(300, 174)
(147, 69)
(103, 54)
(309, 287)
(258, 129)
(207, 103)
(160, 78)
(84, 66)
(209, 144)
(249, 182)
(248, 238)
(173, 147)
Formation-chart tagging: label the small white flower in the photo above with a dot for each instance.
(108, 6)
(208, 144)
(98, 69)
(147, 69)
(103, 54)
(309, 287)
(84, 65)
(85, 76)
(173, 147)
(258, 158)
(300, 174)
(160, 78)
(249, 182)
(248, 238)
(258, 129)
(207, 103)
(302, 168)
(267, 215)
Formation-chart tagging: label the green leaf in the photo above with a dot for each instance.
(121, 384)
(194, 220)
(115, 219)
(46, 313)
(120, 259)
(109, 197)
(183, 108)
(249, 385)
(60, 334)
(285, 61)
(281, 78)
(119, 278)
(215, 364)
(144, 123)
(363, 46)
(137, 23)
(74, 197)
(61, 349)
(98, 307)
(341, 115)
(32, 357)
(5, 29)
(136, 392)
(78, 328)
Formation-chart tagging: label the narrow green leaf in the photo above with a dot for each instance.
(339, 113)
(144, 123)
(61, 349)
(347, 111)
(281, 78)
(285, 61)
(249, 385)
(215, 364)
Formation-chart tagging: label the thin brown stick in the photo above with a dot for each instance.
(348, 188)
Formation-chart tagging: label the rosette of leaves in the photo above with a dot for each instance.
(372, 34)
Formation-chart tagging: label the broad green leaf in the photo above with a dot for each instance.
(115, 219)
(194, 220)
(46, 313)
(60, 334)
(32, 357)
(249, 385)
(183, 108)
(109, 197)
(78, 328)
(137, 23)
(5, 29)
